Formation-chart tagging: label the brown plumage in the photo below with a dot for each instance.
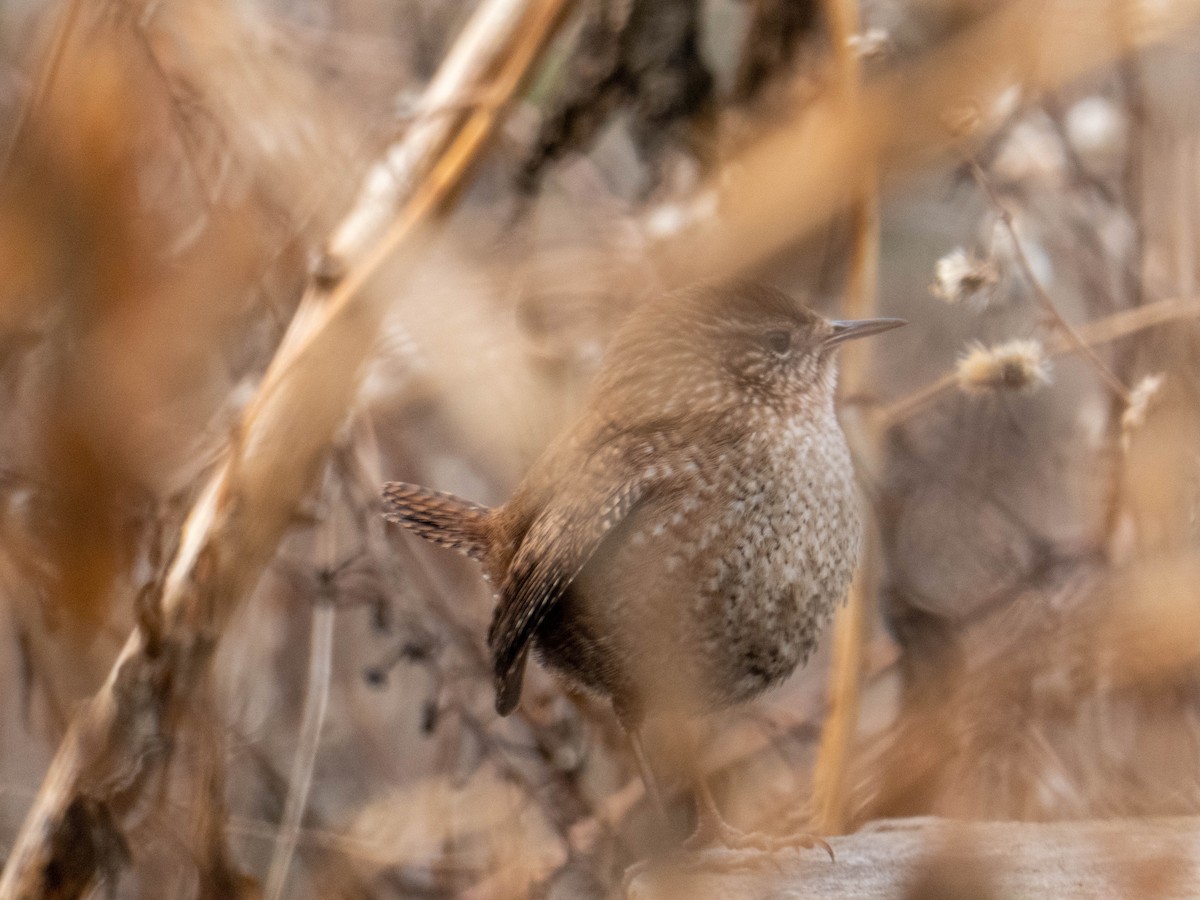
(682, 544)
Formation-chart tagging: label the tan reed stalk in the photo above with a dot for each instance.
(853, 622)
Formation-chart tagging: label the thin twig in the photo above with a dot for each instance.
(1102, 331)
(316, 702)
(1132, 192)
(45, 79)
(218, 874)
(183, 128)
(1004, 215)
(1128, 23)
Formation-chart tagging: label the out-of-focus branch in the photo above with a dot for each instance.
(1044, 300)
(853, 622)
(118, 744)
(43, 80)
(316, 701)
(795, 178)
(1102, 331)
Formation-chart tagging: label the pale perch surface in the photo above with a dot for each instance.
(927, 857)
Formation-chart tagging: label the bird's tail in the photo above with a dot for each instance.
(444, 519)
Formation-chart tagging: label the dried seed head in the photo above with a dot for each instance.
(1018, 365)
(874, 43)
(1141, 399)
(960, 277)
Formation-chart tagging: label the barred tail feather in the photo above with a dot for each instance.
(443, 519)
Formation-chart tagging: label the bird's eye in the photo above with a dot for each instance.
(777, 341)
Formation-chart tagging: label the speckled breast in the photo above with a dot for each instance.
(792, 540)
(720, 591)
(710, 596)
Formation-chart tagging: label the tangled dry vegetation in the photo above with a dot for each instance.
(257, 258)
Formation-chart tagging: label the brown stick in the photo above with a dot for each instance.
(1102, 331)
(118, 743)
(853, 622)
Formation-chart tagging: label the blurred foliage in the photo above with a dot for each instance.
(171, 169)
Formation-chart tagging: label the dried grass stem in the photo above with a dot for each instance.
(1004, 215)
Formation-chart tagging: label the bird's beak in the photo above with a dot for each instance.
(847, 330)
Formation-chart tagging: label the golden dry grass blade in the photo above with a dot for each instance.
(853, 623)
(316, 703)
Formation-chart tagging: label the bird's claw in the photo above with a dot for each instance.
(715, 831)
(746, 849)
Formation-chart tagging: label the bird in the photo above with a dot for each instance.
(678, 549)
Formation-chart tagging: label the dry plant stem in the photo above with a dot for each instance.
(1131, 321)
(217, 874)
(44, 80)
(191, 155)
(333, 859)
(1044, 300)
(1185, 209)
(115, 746)
(852, 627)
(1127, 21)
(853, 622)
(1102, 331)
(768, 202)
(316, 702)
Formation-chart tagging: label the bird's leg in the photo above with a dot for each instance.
(648, 779)
(712, 829)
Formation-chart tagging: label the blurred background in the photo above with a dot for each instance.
(1028, 640)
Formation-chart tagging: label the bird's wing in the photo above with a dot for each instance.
(584, 509)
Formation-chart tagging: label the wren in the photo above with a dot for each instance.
(680, 547)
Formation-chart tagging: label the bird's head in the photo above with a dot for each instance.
(739, 343)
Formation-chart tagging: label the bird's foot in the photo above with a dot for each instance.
(713, 831)
(716, 847)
